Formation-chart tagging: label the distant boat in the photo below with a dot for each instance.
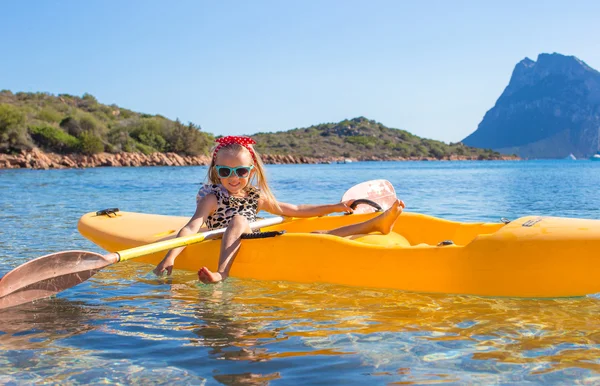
(345, 161)
(596, 157)
(571, 157)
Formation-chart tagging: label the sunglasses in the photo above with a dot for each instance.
(240, 171)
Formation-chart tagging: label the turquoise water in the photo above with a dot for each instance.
(126, 326)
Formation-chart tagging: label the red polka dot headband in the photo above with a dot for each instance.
(230, 139)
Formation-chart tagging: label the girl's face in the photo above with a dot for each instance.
(233, 183)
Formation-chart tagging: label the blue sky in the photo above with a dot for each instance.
(239, 67)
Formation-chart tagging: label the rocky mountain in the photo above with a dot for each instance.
(550, 108)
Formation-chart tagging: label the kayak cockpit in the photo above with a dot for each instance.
(411, 229)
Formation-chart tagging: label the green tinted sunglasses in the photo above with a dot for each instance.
(240, 171)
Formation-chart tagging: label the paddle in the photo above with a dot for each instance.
(47, 275)
(50, 274)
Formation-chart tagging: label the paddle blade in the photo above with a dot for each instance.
(380, 191)
(48, 275)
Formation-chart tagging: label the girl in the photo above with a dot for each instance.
(231, 201)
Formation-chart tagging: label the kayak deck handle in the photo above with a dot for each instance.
(261, 235)
(107, 212)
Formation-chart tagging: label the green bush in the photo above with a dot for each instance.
(120, 139)
(437, 153)
(88, 123)
(72, 126)
(150, 139)
(13, 134)
(126, 114)
(90, 144)
(144, 148)
(421, 150)
(402, 149)
(10, 117)
(15, 139)
(361, 140)
(89, 98)
(149, 131)
(187, 140)
(50, 115)
(91, 124)
(54, 139)
(87, 102)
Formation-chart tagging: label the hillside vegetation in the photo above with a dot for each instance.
(70, 124)
(363, 139)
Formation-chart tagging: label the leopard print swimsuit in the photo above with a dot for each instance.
(228, 206)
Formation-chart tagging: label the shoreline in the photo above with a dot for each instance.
(37, 159)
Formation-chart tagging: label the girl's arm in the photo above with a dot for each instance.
(205, 207)
(291, 210)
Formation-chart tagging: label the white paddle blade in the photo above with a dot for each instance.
(380, 191)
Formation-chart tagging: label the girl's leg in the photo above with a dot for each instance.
(382, 223)
(229, 248)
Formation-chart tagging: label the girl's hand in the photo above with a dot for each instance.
(165, 265)
(344, 206)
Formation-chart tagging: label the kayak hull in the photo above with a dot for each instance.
(530, 257)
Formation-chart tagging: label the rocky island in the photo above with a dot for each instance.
(550, 109)
(43, 131)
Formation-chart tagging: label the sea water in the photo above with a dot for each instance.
(126, 326)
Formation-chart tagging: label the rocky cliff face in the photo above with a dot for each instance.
(549, 109)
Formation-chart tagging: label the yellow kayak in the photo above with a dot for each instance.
(529, 257)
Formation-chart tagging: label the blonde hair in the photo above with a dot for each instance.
(259, 178)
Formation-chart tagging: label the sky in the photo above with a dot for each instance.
(432, 68)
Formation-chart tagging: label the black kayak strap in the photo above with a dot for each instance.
(261, 235)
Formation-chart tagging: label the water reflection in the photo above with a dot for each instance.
(37, 325)
(253, 332)
(395, 334)
(219, 328)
